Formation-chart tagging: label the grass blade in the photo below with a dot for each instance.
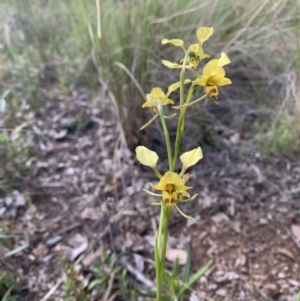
(195, 277)
(187, 267)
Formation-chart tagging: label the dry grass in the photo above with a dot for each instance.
(69, 44)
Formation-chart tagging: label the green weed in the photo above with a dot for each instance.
(5, 239)
(15, 142)
(14, 155)
(109, 280)
(7, 283)
(178, 288)
(74, 289)
(278, 138)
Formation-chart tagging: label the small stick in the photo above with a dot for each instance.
(138, 275)
(53, 289)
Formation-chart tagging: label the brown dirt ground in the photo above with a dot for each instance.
(86, 186)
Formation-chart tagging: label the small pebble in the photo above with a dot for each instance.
(221, 292)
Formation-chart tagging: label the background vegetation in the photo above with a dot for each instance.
(72, 43)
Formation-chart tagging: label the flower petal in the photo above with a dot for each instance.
(176, 85)
(189, 199)
(203, 33)
(197, 48)
(212, 91)
(175, 42)
(171, 65)
(201, 81)
(158, 93)
(224, 59)
(170, 178)
(191, 158)
(169, 199)
(183, 214)
(183, 193)
(194, 47)
(202, 56)
(152, 193)
(149, 122)
(212, 68)
(146, 157)
(168, 101)
(173, 87)
(221, 81)
(148, 104)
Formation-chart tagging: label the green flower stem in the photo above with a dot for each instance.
(166, 133)
(181, 117)
(168, 211)
(157, 173)
(180, 125)
(182, 77)
(161, 247)
(158, 247)
(160, 229)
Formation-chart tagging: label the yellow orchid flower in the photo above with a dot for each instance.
(214, 76)
(173, 191)
(203, 34)
(157, 97)
(171, 184)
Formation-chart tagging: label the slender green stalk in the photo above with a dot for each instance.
(158, 248)
(157, 173)
(180, 126)
(182, 77)
(166, 133)
(168, 211)
(160, 229)
(162, 237)
(161, 247)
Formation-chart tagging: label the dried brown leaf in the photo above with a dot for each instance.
(91, 256)
(285, 252)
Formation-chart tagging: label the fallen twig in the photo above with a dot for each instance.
(137, 274)
(17, 250)
(53, 289)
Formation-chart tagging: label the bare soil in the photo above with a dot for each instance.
(85, 190)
